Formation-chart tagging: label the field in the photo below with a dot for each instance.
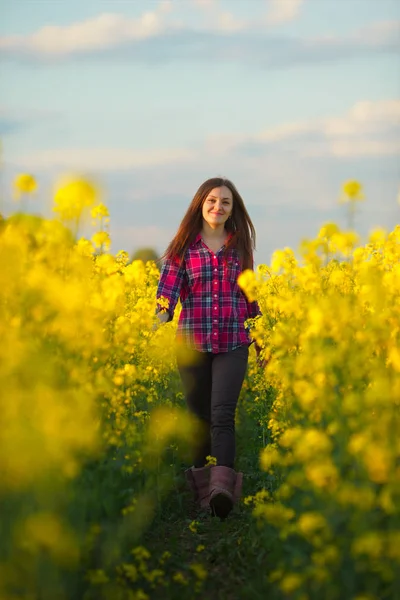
(95, 436)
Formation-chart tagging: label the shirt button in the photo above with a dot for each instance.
(215, 333)
(215, 295)
(215, 269)
(215, 321)
(215, 307)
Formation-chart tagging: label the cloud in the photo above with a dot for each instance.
(276, 12)
(163, 35)
(281, 11)
(102, 159)
(367, 129)
(102, 32)
(289, 175)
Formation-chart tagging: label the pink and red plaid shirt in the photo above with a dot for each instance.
(214, 308)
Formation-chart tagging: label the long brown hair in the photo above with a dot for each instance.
(239, 224)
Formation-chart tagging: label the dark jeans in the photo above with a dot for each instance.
(212, 385)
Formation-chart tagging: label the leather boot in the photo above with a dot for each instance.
(199, 482)
(225, 489)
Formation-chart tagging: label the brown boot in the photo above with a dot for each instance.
(199, 482)
(225, 489)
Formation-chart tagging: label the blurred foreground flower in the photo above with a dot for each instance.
(100, 211)
(73, 199)
(24, 184)
(248, 283)
(352, 192)
(100, 215)
(101, 240)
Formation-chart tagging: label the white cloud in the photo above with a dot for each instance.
(360, 147)
(281, 11)
(377, 33)
(227, 22)
(277, 12)
(289, 175)
(109, 30)
(367, 129)
(105, 31)
(101, 159)
(206, 4)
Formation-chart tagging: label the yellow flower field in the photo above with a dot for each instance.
(94, 434)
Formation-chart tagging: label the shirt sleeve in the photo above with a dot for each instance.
(169, 286)
(253, 309)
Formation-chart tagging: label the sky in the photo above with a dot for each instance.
(287, 98)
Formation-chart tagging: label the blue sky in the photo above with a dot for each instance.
(288, 98)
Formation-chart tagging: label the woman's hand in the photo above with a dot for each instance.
(162, 317)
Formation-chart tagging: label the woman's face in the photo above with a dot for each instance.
(217, 207)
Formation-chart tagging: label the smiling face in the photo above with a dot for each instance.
(217, 206)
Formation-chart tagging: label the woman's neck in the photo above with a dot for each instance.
(219, 233)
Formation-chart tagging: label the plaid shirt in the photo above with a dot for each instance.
(214, 308)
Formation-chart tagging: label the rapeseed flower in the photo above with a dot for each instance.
(199, 570)
(73, 199)
(24, 184)
(352, 191)
(311, 522)
(77, 328)
(101, 239)
(248, 283)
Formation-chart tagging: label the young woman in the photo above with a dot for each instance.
(214, 243)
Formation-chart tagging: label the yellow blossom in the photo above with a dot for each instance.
(74, 197)
(100, 239)
(248, 283)
(199, 570)
(99, 211)
(290, 583)
(269, 457)
(193, 526)
(352, 190)
(328, 230)
(310, 523)
(25, 184)
(180, 578)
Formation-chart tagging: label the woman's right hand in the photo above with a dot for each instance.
(162, 317)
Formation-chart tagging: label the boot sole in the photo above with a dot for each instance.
(221, 506)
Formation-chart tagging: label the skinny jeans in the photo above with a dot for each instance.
(212, 384)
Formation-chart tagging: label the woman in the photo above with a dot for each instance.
(214, 243)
